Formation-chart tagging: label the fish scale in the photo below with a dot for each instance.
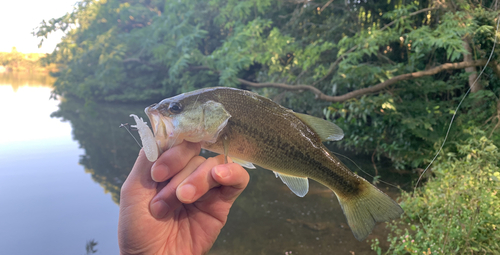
(253, 128)
(299, 156)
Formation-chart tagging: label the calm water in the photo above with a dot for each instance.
(62, 163)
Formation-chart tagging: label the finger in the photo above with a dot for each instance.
(139, 180)
(166, 200)
(139, 176)
(233, 178)
(174, 160)
(200, 182)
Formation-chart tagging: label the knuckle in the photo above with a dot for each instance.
(199, 159)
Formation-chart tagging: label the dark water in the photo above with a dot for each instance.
(62, 164)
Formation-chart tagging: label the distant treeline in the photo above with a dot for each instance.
(16, 61)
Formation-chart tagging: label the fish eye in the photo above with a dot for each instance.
(175, 108)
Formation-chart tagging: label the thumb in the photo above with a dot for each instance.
(139, 182)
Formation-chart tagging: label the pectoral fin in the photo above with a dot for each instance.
(325, 129)
(243, 163)
(298, 185)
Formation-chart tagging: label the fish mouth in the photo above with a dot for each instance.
(162, 127)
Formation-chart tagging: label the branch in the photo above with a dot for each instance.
(409, 15)
(198, 68)
(356, 93)
(334, 65)
(496, 67)
(143, 62)
(190, 68)
(326, 5)
(474, 86)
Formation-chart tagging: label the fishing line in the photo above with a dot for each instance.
(126, 126)
(456, 110)
(454, 115)
(352, 161)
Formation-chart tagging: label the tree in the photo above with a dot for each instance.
(17, 61)
(394, 70)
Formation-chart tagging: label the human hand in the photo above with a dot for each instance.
(183, 215)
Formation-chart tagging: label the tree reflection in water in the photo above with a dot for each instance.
(110, 152)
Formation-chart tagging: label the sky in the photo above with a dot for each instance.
(18, 18)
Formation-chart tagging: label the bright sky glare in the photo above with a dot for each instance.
(18, 19)
(30, 100)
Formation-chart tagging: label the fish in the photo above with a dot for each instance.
(252, 129)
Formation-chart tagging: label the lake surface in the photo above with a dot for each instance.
(62, 163)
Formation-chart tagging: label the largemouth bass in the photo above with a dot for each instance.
(252, 129)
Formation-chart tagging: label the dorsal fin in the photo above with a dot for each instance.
(325, 129)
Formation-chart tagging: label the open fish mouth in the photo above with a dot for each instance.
(163, 128)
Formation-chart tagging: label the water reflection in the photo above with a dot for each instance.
(17, 80)
(25, 107)
(46, 198)
(266, 219)
(110, 151)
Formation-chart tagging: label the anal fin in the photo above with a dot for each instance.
(243, 163)
(298, 185)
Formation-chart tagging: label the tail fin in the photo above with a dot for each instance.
(367, 208)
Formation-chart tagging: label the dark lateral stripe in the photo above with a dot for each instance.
(273, 144)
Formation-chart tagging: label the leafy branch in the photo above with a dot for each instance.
(341, 57)
(373, 89)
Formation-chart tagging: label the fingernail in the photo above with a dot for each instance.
(186, 193)
(159, 172)
(159, 209)
(222, 171)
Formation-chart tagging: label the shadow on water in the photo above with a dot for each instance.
(266, 219)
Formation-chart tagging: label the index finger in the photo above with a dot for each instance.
(174, 160)
(213, 173)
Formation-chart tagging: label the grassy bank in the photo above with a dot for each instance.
(458, 210)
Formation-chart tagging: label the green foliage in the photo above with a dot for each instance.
(138, 50)
(145, 50)
(458, 210)
(447, 36)
(410, 127)
(408, 123)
